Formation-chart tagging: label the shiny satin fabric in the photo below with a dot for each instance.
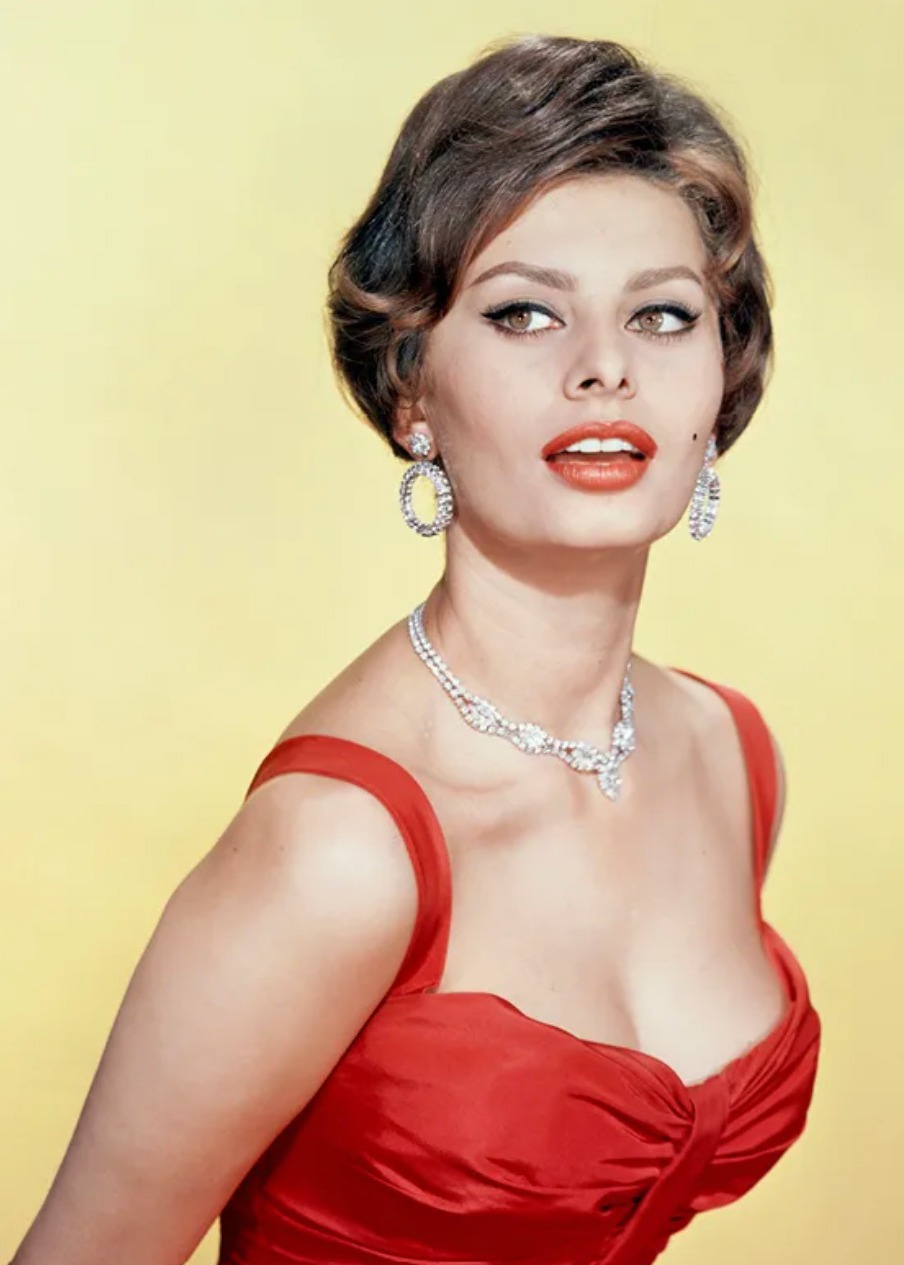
(456, 1128)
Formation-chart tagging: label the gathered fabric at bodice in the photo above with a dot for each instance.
(455, 1128)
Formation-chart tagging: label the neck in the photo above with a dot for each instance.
(545, 639)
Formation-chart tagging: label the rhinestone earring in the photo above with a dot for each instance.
(707, 495)
(420, 446)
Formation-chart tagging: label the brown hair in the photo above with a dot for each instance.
(482, 143)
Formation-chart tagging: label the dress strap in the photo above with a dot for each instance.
(330, 756)
(759, 756)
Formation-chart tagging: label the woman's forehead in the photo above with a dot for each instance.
(615, 226)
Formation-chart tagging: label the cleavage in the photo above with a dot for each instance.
(650, 946)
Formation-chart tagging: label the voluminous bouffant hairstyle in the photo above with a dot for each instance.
(478, 147)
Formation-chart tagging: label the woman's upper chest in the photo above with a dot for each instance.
(614, 920)
(632, 922)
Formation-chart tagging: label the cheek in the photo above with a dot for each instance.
(703, 395)
(475, 399)
(691, 383)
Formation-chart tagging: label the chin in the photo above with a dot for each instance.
(598, 538)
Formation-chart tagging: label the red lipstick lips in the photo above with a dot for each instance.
(600, 472)
(602, 430)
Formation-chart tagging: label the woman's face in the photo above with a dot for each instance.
(518, 359)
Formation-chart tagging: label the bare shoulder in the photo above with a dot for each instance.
(378, 699)
(298, 824)
(685, 704)
(704, 709)
(701, 705)
(299, 819)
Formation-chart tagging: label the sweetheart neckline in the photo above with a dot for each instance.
(778, 951)
(666, 1069)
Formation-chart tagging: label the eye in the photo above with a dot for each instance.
(653, 328)
(519, 315)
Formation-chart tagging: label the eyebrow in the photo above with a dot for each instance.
(558, 280)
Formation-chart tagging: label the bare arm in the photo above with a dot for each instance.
(267, 960)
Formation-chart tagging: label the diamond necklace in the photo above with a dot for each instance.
(483, 716)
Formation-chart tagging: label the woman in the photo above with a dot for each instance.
(556, 304)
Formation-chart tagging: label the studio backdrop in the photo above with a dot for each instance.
(197, 533)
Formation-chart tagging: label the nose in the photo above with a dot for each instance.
(601, 366)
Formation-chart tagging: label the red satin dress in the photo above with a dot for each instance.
(455, 1128)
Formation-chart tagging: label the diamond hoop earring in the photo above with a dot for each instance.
(420, 446)
(707, 495)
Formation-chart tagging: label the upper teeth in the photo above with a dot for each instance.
(602, 445)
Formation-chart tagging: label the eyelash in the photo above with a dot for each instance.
(496, 314)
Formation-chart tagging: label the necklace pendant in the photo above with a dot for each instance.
(610, 780)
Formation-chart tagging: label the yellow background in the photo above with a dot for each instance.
(197, 534)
